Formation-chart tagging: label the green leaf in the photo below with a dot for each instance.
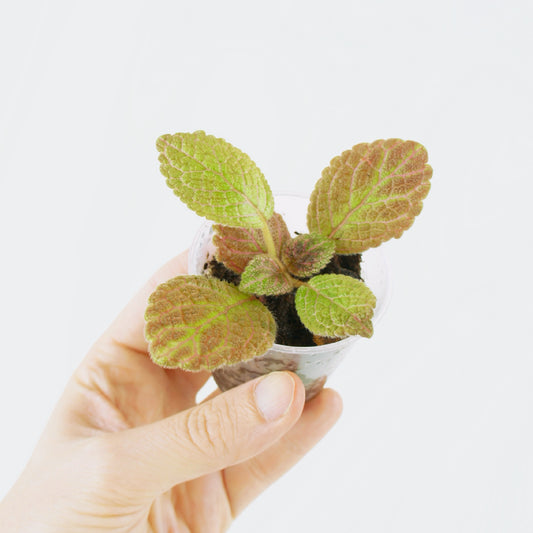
(307, 254)
(197, 323)
(215, 179)
(263, 276)
(333, 305)
(370, 194)
(236, 247)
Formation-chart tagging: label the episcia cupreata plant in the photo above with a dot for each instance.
(367, 195)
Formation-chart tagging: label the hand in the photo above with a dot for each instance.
(129, 449)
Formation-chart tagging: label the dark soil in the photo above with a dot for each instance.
(291, 331)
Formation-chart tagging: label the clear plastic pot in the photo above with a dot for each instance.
(313, 364)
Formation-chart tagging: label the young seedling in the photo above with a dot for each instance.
(366, 196)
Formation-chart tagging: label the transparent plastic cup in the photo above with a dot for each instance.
(313, 364)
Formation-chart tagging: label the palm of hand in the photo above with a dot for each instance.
(127, 390)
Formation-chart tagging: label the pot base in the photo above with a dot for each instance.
(313, 371)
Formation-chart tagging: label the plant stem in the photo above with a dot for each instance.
(269, 241)
(271, 249)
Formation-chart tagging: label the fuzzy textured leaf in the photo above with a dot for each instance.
(307, 254)
(370, 194)
(215, 179)
(333, 305)
(236, 247)
(198, 323)
(264, 277)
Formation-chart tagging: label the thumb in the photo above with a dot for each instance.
(226, 430)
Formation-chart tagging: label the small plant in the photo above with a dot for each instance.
(366, 196)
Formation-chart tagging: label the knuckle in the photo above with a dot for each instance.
(210, 429)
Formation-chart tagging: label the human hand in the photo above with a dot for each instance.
(129, 449)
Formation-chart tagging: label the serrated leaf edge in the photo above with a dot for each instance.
(317, 192)
(263, 217)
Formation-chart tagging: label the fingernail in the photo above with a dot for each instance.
(274, 394)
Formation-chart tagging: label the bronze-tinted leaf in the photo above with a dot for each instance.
(236, 247)
(215, 179)
(370, 194)
(264, 277)
(333, 305)
(198, 323)
(307, 254)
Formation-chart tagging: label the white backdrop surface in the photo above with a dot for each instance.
(436, 433)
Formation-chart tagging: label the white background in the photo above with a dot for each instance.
(436, 435)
